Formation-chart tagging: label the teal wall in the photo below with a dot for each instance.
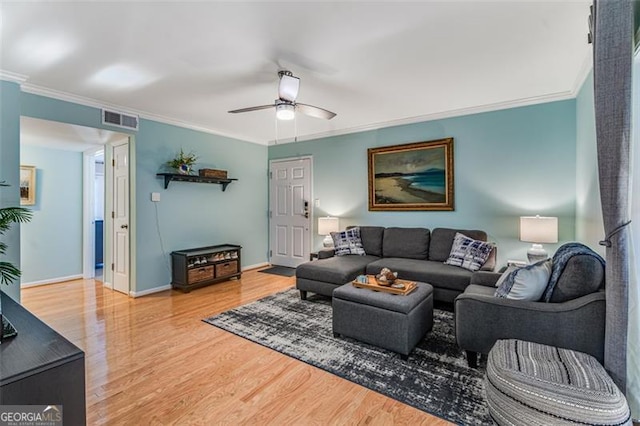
(189, 215)
(197, 214)
(589, 224)
(10, 171)
(51, 244)
(508, 163)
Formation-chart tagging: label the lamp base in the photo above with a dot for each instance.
(328, 241)
(536, 253)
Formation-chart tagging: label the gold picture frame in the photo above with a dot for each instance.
(27, 185)
(413, 176)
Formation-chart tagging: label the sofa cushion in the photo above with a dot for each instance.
(371, 237)
(409, 243)
(468, 253)
(442, 240)
(582, 275)
(347, 242)
(336, 270)
(435, 273)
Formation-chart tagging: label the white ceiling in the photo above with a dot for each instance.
(68, 137)
(373, 63)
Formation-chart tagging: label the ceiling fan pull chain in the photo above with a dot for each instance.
(295, 128)
(276, 121)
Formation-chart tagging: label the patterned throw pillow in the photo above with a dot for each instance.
(527, 283)
(468, 253)
(348, 242)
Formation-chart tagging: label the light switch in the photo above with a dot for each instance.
(316, 202)
(155, 196)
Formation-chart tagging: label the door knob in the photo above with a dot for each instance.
(124, 226)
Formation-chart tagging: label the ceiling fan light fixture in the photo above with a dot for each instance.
(285, 112)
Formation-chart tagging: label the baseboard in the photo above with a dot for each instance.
(51, 281)
(168, 286)
(256, 266)
(150, 291)
(107, 285)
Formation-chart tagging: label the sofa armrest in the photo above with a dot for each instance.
(577, 324)
(487, 279)
(326, 253)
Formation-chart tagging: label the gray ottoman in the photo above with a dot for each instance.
(393, 322)
(533, 384)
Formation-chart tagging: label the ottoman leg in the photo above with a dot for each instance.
(303, 295)
(472, 359)
(336, 335)
(404, 357)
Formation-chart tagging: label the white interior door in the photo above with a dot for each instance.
(120, 217)
(290, 211)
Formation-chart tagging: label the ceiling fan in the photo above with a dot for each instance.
(286, 105)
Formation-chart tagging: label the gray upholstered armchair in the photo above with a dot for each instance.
(574, 318)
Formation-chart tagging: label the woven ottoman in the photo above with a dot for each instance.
(533, 384)
(393, 322)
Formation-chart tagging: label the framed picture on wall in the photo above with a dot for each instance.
(414, 176)
(27, 185)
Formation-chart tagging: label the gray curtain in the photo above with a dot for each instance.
(613, 53)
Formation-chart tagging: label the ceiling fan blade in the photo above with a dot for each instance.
(255, 108)
(288, 88)
(314, 111)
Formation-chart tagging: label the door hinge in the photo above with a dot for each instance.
(113, 215)
(112, 266)
(270, 175)
(113, 162)
(270, 214)
(270, 253)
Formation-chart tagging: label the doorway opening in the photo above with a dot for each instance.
(68, 238)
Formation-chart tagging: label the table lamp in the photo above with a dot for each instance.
(327, 225)
(538, 230)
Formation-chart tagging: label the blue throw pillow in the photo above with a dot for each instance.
(468, 253)
(527, 283)
(348, 242)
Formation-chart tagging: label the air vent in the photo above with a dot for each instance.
(118, 119)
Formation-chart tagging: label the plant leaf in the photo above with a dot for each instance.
(8, 273)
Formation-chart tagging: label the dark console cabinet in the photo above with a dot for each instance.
(40, 367)
(199, 267)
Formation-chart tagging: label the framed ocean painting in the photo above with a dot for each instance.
(414, 176)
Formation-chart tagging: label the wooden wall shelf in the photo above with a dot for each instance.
(168, 177)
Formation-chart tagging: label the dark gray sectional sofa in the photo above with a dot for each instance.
(417, 254)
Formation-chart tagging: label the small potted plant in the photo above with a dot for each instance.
(8, 271)
(183, 163)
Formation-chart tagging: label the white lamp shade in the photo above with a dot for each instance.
(538, 229)
(327, 225)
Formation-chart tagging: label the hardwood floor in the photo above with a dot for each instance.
(151, 360)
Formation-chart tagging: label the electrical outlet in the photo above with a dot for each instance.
(316, 202)
(155, 196)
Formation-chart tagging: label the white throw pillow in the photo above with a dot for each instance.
(526, 283)
(505, 274)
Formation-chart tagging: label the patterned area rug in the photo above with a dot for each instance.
(434, 379)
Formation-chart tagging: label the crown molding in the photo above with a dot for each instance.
(81, 100)
(583, 73)
(90, 102)
(553, 97)
(13, 77)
